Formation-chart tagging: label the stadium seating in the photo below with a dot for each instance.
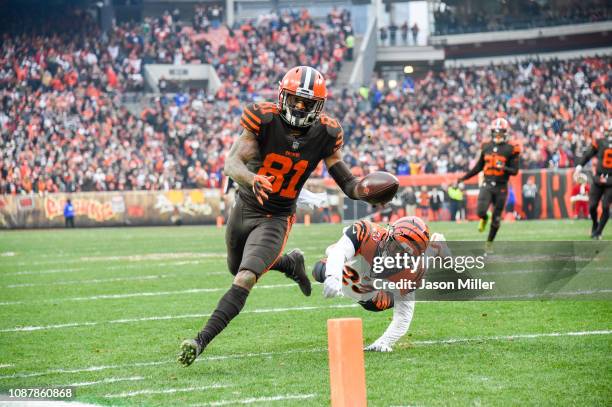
(63, 126)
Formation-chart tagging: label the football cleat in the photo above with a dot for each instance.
(482, 225)
(489, 247)
(298, 272)
(318, 271)
(190, 350)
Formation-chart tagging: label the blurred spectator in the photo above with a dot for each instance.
(392, 34)
(436, 198)
(410, 201)
(404, 32)
(455, 196)
(423, 203)
(415, 33)
(511, 15)
(511, 202)
(69, 214)
(530, 190)
(383, 35)
(580, 197)
(350, 44)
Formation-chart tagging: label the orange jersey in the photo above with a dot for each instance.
(358, 276)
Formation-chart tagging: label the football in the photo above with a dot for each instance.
(378, 187)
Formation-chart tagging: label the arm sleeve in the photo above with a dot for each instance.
(403, 311)
(344, 178)
(513, 165)
(337, 254)
(475, 169)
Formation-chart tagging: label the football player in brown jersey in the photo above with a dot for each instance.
(499, 159)
(280, 145)
(601, 186)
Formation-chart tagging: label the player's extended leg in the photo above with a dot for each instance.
(228, 307)
(484, 199)
(595, 195)
(499, 202)
(292, 266)
(605, 210)
(264, 244)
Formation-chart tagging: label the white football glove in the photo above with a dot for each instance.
(438, 246)
(378, 347)
(332, 287)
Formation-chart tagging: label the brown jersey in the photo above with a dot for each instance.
(289, 153)
(601, 148)
(497, 161)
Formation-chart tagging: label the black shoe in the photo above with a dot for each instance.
(298, 272)
(318, 271)
(190, 350)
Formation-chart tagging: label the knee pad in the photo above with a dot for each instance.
(318, 271)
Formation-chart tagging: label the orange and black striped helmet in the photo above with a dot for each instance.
(409, 234)
(301, 95)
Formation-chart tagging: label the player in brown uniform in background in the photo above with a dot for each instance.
(281, 144)
(498, 160)
(601, 186)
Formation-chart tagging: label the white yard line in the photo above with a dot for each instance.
(511, 337)
(167, 317)
(528, 296)
(130, 258)
(105, 381)
(155, 256)
(5, 365)
(164, 391)
(85, 369)
(156, 363)
(93, 281)
(141, 294)
(256, 400)
(117, 267)
(50, 271)
(312, 350)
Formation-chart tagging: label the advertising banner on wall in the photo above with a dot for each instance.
(197, 206)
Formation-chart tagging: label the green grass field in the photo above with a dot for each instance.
(104, 310)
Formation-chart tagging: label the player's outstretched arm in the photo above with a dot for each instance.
(403, 310)
(243, 150)
(337, 255)
(475, 169)
(341, 173)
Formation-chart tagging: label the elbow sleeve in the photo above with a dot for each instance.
(344, 178)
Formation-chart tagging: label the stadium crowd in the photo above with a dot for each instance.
(63, 126)
(517, 14)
